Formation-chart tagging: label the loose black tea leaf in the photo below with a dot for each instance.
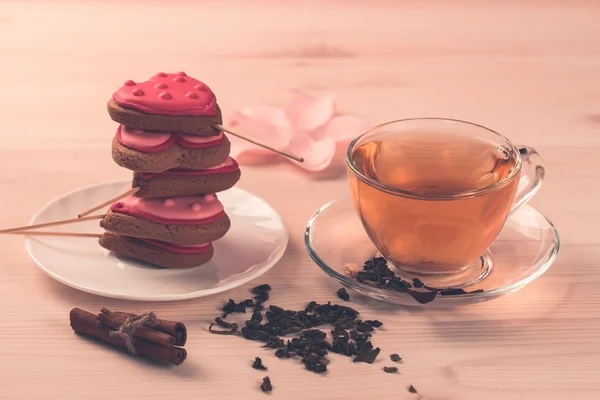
(281, 353)
(395, 358)
(254, 325)
(342, 294)
(266, 384)
(261, 289)
(256, 316)
(390, 370)
(367, 356)
(276, 310)
(253, 334)
(257, 364)
(292, 329)
(233, 307)
(262, 298)
(274, 342)
(314, 334)
(229, 307)
(417, 283)
(351, 336)
(452, 292)
(229, 328)
(262, 295)
(222, 323)
(412, 389)
(240, 307)
(375, 272)
(364, 327)
(422, 297)
(315, 364)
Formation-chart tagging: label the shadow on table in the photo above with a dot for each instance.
(593, 118)
(510, 317)
(186, 370)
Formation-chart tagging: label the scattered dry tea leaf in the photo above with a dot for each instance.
(342, 294)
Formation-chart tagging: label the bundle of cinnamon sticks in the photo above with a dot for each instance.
(153, 338)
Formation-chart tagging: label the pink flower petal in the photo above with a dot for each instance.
(252, 157)
(308, 113)
(271, 114)
(342, 129)
(265, 124)
(260, 131)
(317, 154)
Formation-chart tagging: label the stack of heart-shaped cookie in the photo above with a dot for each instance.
(166, 136)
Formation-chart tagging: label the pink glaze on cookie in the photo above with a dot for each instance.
(168, 94)
(199, 142)
(155, 141)
(199, 139)
(182, 210)
(139, 138)
(230, 165)
(180, 248)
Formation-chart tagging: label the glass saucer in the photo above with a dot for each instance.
(525, 248)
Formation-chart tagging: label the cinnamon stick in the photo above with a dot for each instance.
(87, 323)
(175, 329)
(114, 321)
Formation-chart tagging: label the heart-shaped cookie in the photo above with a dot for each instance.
(167, 153)
(170, 102)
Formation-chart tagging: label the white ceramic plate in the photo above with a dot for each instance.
(256, 241)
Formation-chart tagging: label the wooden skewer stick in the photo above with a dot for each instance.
(256, 142)
(108, 202)
(54, 223)
(39, 233)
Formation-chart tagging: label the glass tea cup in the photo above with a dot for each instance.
(433, 193)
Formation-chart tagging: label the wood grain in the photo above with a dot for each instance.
(530, 70)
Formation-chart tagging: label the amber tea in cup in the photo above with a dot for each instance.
(432, 193)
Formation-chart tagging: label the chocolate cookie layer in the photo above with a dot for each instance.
(129, 225)
(167, 184)
(173, 157)
(201, 126)
(140, 250)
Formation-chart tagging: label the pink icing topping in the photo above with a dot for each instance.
(168, 94)
(154, 141)
(199, 139)
(230, 165)
(139, 138)
(182, 210)
(180, 248)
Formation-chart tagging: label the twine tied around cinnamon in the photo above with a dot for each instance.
(127, 330)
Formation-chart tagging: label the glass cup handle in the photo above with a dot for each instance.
(532, 176)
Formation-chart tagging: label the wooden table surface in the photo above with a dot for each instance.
(530, 70)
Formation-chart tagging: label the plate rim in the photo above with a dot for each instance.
(442, 300)
(273, 259)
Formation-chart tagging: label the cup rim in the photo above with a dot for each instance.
(471, 193)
